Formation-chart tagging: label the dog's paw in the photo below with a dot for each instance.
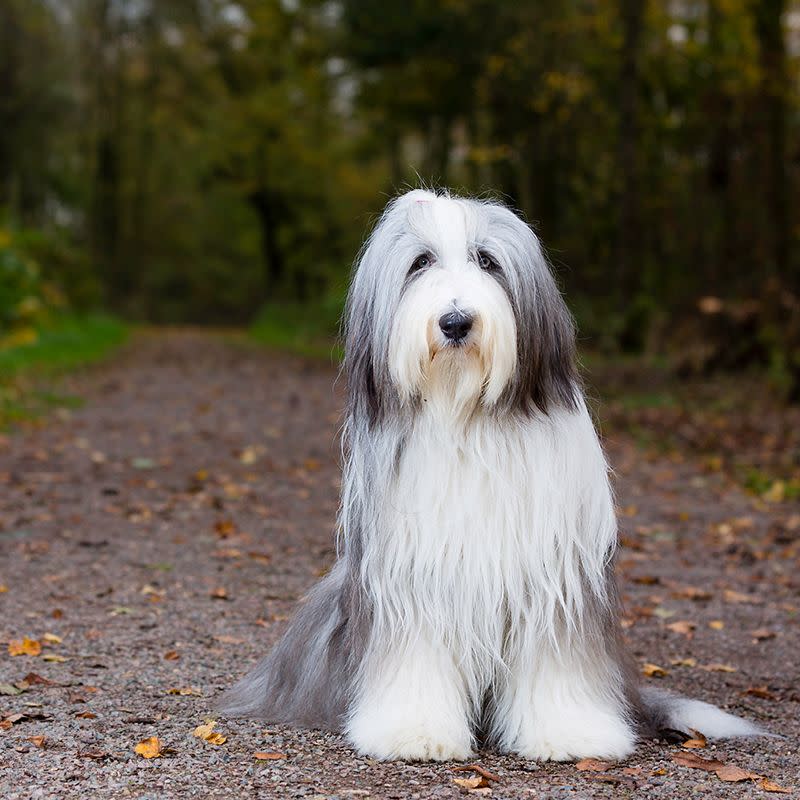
(566, 738)
(389, 738)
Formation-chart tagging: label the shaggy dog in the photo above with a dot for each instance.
(473, 599)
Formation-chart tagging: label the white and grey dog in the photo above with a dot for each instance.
(473, 599)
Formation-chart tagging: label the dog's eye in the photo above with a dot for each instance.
(422, 262)
(485, 261)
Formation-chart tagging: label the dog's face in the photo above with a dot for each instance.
(453, 303)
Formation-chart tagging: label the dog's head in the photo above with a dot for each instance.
(453, 303)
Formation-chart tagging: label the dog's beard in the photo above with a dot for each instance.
(455, 380)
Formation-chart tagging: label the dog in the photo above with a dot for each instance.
(473, 600)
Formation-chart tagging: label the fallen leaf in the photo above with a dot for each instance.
(683, 626)
(24, 647)
(770, 786)
(759, 691)
(207, 733)
(224, 528)
(185, 691)
(51, 638)
(697, 742)
(733, 774)
(220, 593)
(37, 741)
(694, 761)
(762, 634)
(269, 756)
(684, 662)
(54, 658)
(152, 747)
(476, 782)
(719, 668)
(32, 678)
(593, 765)
(738, 597)
(482, 771)
(691, 593)
(86, 715)
(9, 689)
(97, 755)
(172, 655)
(716, 624)
(654, 671)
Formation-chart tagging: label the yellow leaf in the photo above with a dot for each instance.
(150, 748)
(770, 786)
(51, 638)
(24, 647)
(54, 658)
(716, 624)
(719, 668)
(268, 756)
(654, 671)
(207, 733)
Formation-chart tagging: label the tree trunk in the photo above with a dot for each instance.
(773, 101)
(265, 206)
(629, 231)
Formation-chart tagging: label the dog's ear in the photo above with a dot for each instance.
(365, 396)
(547, 374)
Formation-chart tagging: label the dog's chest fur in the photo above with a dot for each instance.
(482, 529)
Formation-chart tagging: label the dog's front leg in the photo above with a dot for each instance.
(412, 705)
(564, 706)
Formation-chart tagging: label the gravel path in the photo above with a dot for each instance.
(153, 543)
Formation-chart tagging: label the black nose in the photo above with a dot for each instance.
(455, 325)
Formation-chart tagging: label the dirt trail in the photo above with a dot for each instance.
(165, 530)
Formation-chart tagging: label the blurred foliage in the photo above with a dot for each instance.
(26, 299)
(197, 160)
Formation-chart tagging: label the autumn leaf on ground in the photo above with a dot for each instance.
(224, 528)
(738, 597)
(683, 626)
(172, 655)
(51, 638)
(654, 671)
(697, 742)
(207, 733)
(762, 634)
(770, 786)
(729, 773)
(693, 761)
(24, 647)
(37, 741)
(185, 691)
(482, 771)
(719, 668)
(759, 691)
(593, 765)
(269, 756)
(220, 593)
(152, 747)
(716, 624)
(733, 774)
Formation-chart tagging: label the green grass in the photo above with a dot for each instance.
(306, 330)
(27, 371)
